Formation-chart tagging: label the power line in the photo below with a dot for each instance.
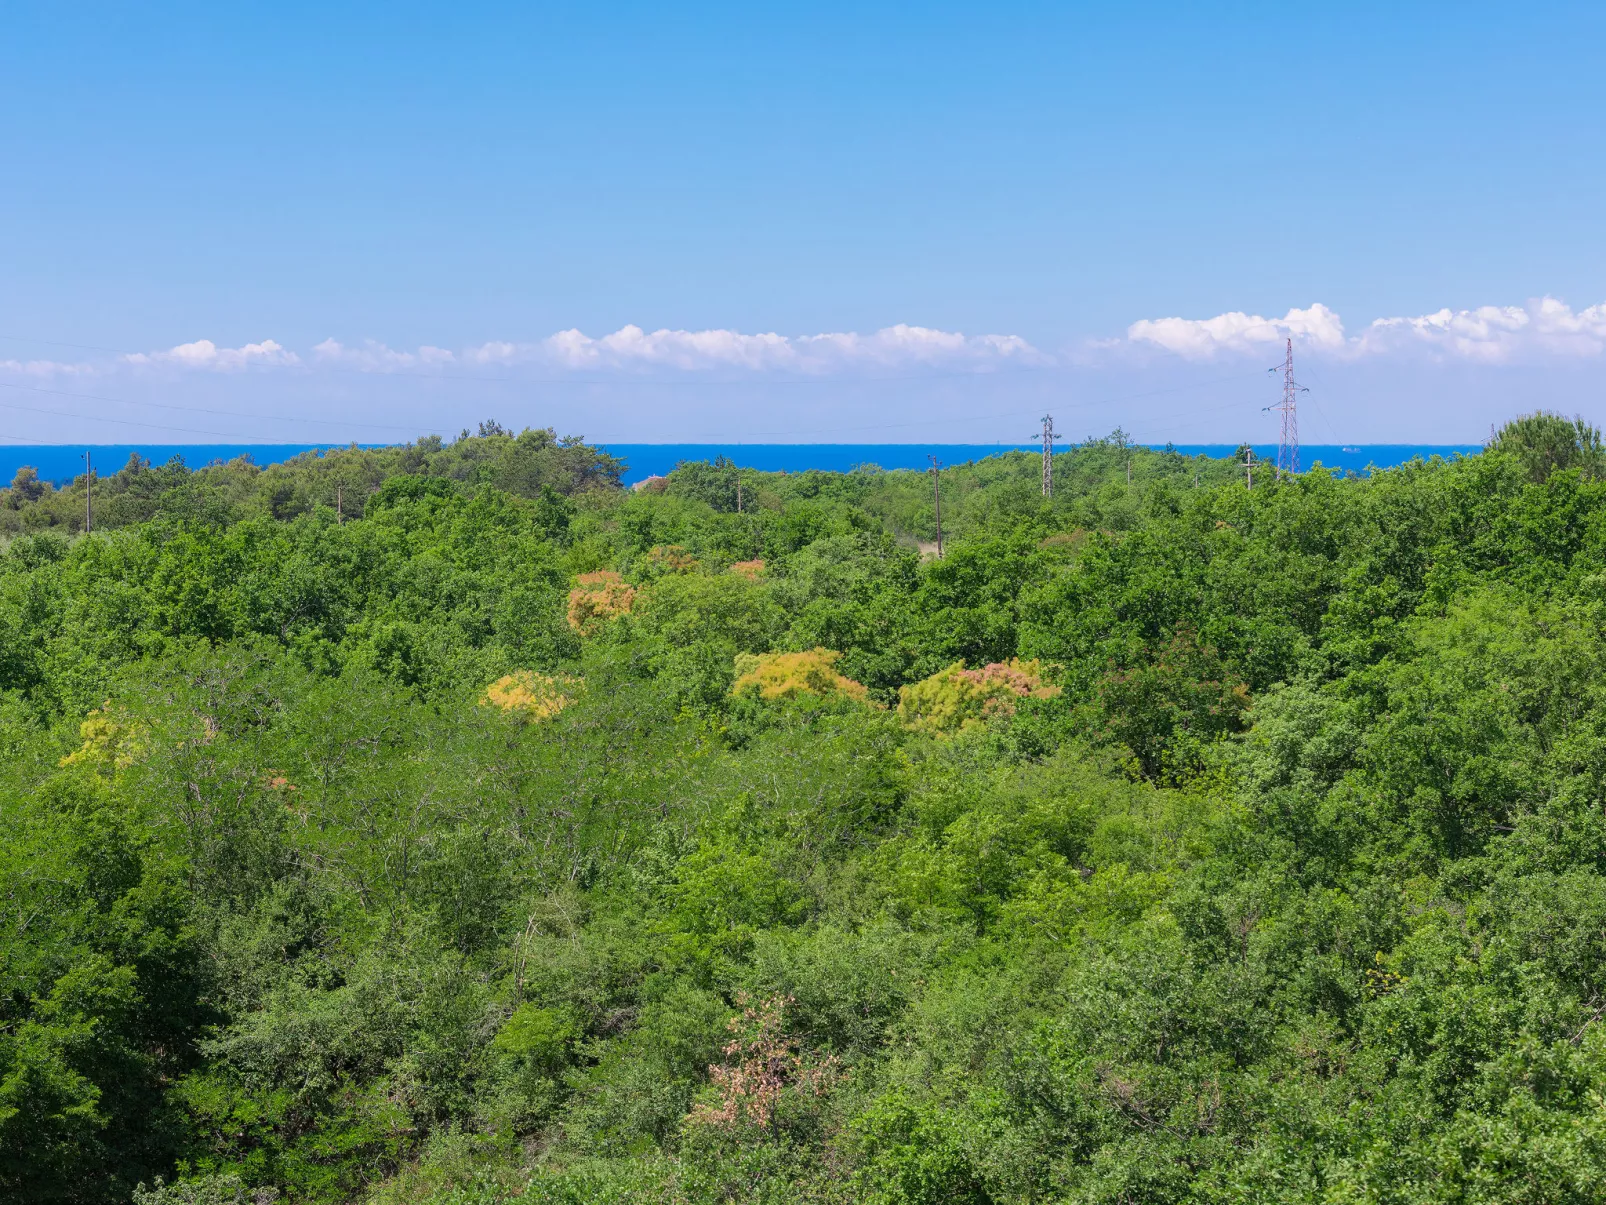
(577, 378)
(272, 418)
(597, 379)
(1187, 413)
(725, 437)
(92, 418)
(123, 351)
(1321, 411)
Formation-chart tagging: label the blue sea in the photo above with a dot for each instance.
(61, 463)
(648, 459)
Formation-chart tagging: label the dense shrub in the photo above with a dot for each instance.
(1260, 857)
(956, 698)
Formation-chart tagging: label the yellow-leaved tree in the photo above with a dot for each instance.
(527, 695)
(112, 741)
(788, 675)
(956, 698)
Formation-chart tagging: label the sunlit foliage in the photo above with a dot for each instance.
(956, 698)
(671, 558)
(111, 741)
(528, 695)
(787, 675)
(597, 598)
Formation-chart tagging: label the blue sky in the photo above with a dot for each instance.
(358, 221)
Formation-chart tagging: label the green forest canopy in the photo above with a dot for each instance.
(448, 823)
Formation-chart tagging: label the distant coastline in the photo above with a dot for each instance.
(63, 462)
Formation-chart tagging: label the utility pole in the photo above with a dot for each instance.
(340, 513)
(936, 499)
(89, 493)
(1249, 468)
(1288, 449)
(1048, 455)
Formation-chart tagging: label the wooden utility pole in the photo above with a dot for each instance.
(89, 493)
(1249, 468)
(340, 514)
(936, 499)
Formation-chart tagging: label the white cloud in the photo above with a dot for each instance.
(632, 347)
(628, 349)
(373, 356)
(1204, 338)
(497, 353)
(42, 368)
(893, 346)
(205, 354)
(1541, 330)
(1544, 328)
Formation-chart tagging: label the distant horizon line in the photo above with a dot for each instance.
(706, 443)
(65, 462)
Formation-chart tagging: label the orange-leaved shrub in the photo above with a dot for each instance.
(787, 675)
(598, 597)
(527, 695)
(956, 698)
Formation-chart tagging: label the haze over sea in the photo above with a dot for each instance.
(60, 463)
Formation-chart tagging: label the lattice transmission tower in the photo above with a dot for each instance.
(1288, 448)
(1049, 437)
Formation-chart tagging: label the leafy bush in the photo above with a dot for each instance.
(597, 598)
(788, 675)
(1544, 443)
(530, 695)
(956, 698)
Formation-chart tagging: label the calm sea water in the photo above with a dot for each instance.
(62, 463)
(647, 459)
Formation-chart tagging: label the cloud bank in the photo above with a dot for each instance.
(892, 347)
(632, 349)
(205, 354)
(1543, 329)
(1174, 378)
(627, 350)
(1204, 338)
